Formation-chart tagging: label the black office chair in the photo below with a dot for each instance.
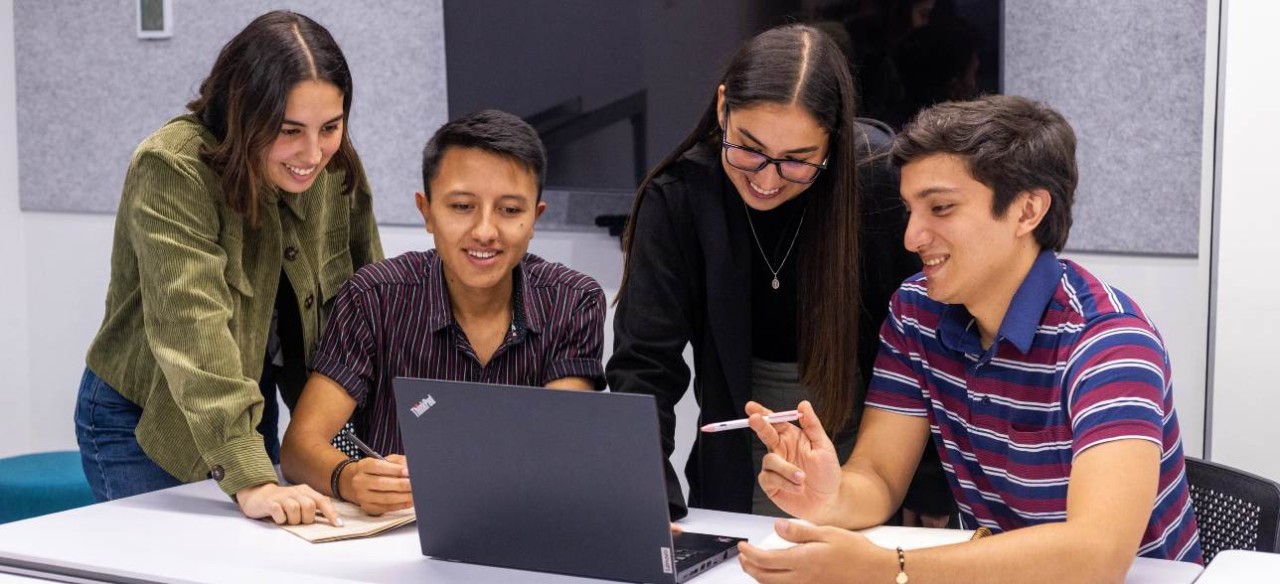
(1235, 510)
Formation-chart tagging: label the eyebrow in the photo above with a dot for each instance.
(291, 122)
(519, 198)
(805, 150)
(929, 192)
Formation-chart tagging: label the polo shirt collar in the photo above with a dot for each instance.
(440, 311)
(958, 331)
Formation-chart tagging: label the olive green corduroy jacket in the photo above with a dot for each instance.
(192, 291)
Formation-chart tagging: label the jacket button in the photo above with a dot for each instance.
(311, 299)
(217, 473)
(291, 253)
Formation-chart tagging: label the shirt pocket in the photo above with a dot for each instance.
(234, 272)
(1038, 461)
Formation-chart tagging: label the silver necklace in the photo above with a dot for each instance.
(775, 283)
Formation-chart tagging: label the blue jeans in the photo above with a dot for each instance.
(114, 463)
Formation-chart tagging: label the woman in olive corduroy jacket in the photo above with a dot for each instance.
(238, 223)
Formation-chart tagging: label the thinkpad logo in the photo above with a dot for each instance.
(422, 406)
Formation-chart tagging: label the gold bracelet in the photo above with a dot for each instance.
(902, 568)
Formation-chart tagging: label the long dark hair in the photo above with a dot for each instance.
(243, 99)
(798, 64)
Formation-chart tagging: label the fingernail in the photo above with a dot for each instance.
(783, 526)
(799, 476)
(338, 522)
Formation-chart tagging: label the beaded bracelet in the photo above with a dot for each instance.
(902, 568)
(336, 477)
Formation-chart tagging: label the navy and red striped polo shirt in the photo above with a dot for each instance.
(1075, 364)
(393, 318)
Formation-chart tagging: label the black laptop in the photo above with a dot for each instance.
(554, 481)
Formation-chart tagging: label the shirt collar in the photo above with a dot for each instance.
(958, 331)
(440, 312)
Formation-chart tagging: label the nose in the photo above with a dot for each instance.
(769, 178)
(917, 235)
(313, 151)
(485, 229)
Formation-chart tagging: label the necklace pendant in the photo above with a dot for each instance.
(776, 284)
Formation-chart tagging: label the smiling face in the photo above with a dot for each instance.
(481, 211)
(970, 256)
(781, 131)
(309, 135)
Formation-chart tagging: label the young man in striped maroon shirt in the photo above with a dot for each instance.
(476, 308)
(1047, 392)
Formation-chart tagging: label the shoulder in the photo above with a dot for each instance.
(408, 269)
(1091, 300)
(1106, 318)
(874, 136)
(178, 142)
(692, 170)
(542, 274)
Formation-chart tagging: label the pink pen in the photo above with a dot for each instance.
(788, 416)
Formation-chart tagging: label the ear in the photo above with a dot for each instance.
(1033, 205)
(720, 106)
(423, 203)
(539, 210)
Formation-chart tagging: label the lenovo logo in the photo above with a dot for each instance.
(668, 567)
(422, 406)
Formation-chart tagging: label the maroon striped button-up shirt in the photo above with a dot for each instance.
(393, 318)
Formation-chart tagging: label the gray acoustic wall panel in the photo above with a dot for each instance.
(89, 90)
(1130, 78)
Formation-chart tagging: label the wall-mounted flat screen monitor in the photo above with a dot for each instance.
(613, 86)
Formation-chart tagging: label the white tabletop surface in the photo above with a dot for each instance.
(1241, 566)
(193, 533)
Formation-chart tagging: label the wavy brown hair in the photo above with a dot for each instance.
(242, 101)
(798, 64)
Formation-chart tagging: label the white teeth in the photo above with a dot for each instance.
(936, 261)
(763, 191)
(483, 255)
(300, 171)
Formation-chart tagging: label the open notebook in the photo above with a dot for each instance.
(356, 524)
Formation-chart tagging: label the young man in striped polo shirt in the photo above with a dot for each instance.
(476, 308)
(1046, 392)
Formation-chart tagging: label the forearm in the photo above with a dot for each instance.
(864, 500)
(1051, 553)
(309, 460)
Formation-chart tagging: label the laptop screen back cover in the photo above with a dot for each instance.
(537, 479)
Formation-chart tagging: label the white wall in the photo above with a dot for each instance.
(1246, 395)
(15, 394)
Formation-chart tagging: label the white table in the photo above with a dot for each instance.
(1241, 566)
(193, 533)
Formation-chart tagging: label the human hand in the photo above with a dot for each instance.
(378, 486)
(821, 554)
(801, 472)
(286, 505)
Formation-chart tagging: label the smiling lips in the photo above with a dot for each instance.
(481, 256)
(762, 193)
(933, 263)
(299, 172)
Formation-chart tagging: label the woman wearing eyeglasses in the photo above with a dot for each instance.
(758, 242)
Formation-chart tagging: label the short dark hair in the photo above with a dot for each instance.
(243, 99)
(491, 130)
(1010, 144)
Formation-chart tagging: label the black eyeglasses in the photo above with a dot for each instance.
(752, 160)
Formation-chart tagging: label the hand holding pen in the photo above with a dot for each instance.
(378, 484)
